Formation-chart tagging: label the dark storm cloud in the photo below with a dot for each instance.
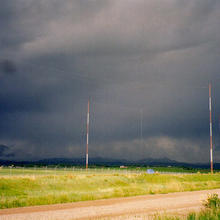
(7, 67)
(4, 151)
(125, 55)
(3, 148)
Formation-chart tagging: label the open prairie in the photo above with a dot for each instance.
(29, 187)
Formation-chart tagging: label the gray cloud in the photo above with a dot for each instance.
(5, 151)
(125, 55)
(7, 67)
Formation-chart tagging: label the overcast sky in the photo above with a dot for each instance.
(140, 62)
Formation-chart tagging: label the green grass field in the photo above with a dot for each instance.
(65, 170)
(28, 187)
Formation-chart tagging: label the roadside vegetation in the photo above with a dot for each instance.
(34, 188)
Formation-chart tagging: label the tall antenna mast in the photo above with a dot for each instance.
(210, 120)
(87, 137)
(141, 128)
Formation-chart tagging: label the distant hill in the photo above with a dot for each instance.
(99, 161)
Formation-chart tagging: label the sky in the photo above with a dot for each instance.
(145, 66)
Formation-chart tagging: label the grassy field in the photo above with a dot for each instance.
(26, 187)
(65, 170)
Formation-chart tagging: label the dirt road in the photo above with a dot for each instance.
(112, 208)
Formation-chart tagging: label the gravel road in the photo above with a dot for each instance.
(112, 208)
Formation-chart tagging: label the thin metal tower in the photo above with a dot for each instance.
(87, 137)
(210, 120)
(141, 127)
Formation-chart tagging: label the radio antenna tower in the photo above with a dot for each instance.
(210, 120)
(87, 137)
(141, 128)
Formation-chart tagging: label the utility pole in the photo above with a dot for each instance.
(141, 128)
(87, 137)
(210, 121)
